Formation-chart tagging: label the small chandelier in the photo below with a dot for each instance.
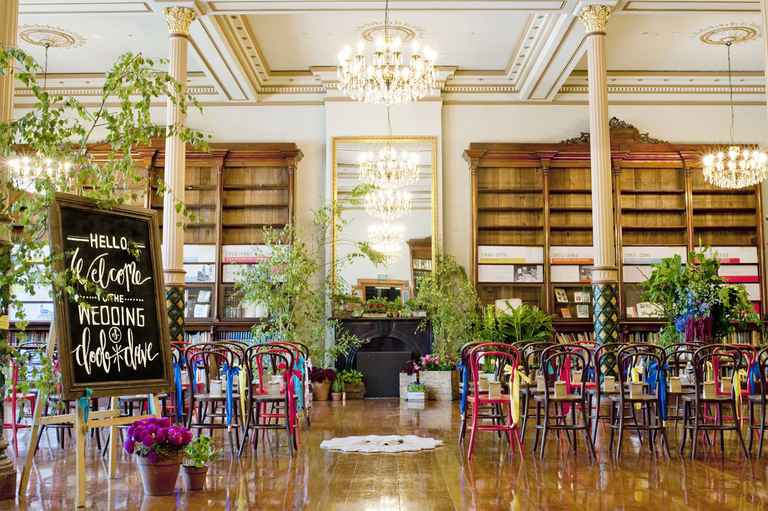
(387, 204)
(389, 169)
(25, 171)
(387, 239)
(387, 76)
(734, 166)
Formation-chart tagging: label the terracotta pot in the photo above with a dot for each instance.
(159, 478)
(336, 396)
(321, 390)
(194, 477)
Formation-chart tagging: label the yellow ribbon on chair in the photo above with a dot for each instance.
(242, 385)
(636, 377)
(514, 393)
(709, 372)
(738, 377)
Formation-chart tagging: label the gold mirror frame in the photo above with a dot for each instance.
(383, 140)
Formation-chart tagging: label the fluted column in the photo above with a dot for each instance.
(764, 186)
(9, 16)
(604, 273)
(179, 19)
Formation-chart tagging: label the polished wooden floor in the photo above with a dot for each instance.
(437, 480)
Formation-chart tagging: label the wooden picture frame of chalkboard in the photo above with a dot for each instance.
(120, 343)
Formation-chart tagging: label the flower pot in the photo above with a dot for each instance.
(354, 391)
(194, 477)
(159, 478)
(321, 390)
(336, 396)
(441, 385)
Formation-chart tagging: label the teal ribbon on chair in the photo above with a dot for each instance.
(297, 388)
(84, 403)
(179, 390)
(230, 372)
(464, 390)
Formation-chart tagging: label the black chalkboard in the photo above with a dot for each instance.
(118, 343)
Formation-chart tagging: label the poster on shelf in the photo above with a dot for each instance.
(529, 273)
(204, 296)
(564, 273)
(200, 273)
(199, 253)
(496, 273)
(735, 255)
(114, 342)
(201, 310)
(651, 255)
(492, 254)
(231, 272)
(633, 273)
(571, 255)
(245, 254)
(740, 274)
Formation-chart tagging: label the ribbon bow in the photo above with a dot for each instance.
(514, 396)
(84, 403)
(230, 372)
(658, 376)
(464, 390)
(179, 389)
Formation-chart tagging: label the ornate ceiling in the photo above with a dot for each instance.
(489, 51)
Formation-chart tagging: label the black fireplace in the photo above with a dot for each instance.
(390, 343)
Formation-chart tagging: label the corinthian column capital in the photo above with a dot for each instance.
(179, 19)
(595, 18)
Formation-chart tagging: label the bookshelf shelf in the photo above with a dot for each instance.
(662, 205)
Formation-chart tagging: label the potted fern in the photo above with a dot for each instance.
(197, 455)
(522, 323)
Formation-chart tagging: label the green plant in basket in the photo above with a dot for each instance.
(337, 387)
(416, 387)
(350, 377)
(200, 452)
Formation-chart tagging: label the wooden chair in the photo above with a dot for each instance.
(559, 363)
(650, 398)
(30, 352)
(530, 363)
(264, 364)
(604, 363)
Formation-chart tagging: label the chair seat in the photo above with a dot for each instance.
(219, 397)
(692, 396)
(567, 397)
(644, 397)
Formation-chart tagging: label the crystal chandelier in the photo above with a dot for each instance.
(387, 239)
(389, 169)
(734, 166)
(387, 76)
(387, 204)
(26, 170)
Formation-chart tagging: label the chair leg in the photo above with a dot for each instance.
(545, 429)
(762, 430)
(738, 433)
(620, 433)
(524, 419)
(695, 431)
(587, 433)
(538, 426)
(686, 416)
(751, 430)
(611, 427)
(470, 448)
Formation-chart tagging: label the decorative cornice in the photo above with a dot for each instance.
(667, 89)
(179, 19)
(595, 18)
(97, 91)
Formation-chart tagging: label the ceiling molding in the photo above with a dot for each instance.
(288, 6)
(673, 6)
(80, 8)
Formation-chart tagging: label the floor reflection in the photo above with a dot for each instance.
(436, 480)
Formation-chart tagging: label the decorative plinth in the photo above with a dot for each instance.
(174, 298)
(441, 385)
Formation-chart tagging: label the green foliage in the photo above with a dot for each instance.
(696, 291)
(350, 377)
(416, 387)
(294, 285)
(199, 452)
(451, 303)
(63, 130)
(337, 386)
(522, 323)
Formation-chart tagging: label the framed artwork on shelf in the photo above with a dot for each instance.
(561, 295)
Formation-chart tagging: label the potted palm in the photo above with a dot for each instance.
(321, 382)
(197, 455)
(158, 447)
(522, 323)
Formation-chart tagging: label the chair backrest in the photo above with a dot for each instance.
(503, 355)
(530, 357)
(207, 356)
(647, 355)
(560, 360)
(263, 361)
(722, 361)
(680, 359)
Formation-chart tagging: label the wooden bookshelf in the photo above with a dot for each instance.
(233, 192)
(539, 195)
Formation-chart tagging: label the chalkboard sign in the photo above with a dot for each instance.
(114, 338)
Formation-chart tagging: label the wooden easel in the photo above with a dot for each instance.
(98, 419)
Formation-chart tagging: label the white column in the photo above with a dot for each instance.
(604, 274)
(179, 20)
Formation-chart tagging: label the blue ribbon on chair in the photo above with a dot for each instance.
(84, 402)
(753, 377)
(179, 390)
(297, 387)
(230, 372)
(590, 376)
(464, 391)
(656, 376)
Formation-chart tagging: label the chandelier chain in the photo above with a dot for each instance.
(730, 91)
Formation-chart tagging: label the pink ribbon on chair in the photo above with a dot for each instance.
(565, 375)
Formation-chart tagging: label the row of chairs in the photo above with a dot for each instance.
(573, 388)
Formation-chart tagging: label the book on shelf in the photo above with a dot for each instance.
(640, 255)
(197, 337)
(234, 335)
(565, 313)
(648, 310)
(496, 254)
(571, 255)
(582, 297)
(585, 274)
(631, 312)
(582, 310)
(561, 295)
(573, 337)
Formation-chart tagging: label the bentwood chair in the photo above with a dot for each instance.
(464, 386)
(563, 397)
(30, 353)
(206, 362)
(530, 365)
(605, 364)
(648, 362)
(679, 362)
(505, 359)
(270, 372)
(756, 385)
(705, 410)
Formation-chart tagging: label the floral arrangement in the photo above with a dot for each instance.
(411, 367)
(155, 438)
(697, 303)
(429, 362)
(320, 375)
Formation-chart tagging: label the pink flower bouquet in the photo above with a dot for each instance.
(155, 438)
